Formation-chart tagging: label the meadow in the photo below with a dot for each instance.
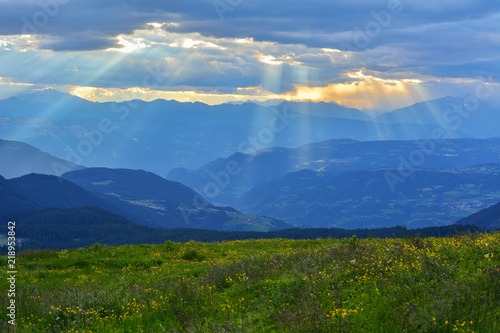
(412, 284)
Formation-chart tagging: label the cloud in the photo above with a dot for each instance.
(359, 90)
(98, 94)
(363, 92)
(294, 48)
(314, 23)
(9, 87)
(9, 82)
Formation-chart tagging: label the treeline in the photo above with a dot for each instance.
(57, 228)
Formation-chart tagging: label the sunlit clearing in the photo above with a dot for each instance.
(130, 44)
(189, 43)
(269, 59)
(97, 94)
(155, 25)
(365, 92)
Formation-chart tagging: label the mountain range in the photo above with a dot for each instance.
(163, 203)
(162, 135)
(19, 159)
(141, 197)
(334, 156)
(363, 199)
(279, 165)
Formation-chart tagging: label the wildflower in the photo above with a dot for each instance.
(487, 244)
(353, 261)
(487, 255)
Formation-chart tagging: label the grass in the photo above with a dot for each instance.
(327, 285)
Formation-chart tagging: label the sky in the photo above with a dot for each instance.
(370, 55)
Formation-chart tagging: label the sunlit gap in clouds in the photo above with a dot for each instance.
(389, 95)
(365, 94)
(86, 88)
(179, 59)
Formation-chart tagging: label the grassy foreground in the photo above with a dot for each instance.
(328, 285)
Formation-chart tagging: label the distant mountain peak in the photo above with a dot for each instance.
(442, 112)
(50, 95)
(20, 159)
(325, 110)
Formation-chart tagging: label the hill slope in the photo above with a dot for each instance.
(19, 159)
(163, 203)
(135, 185)
(141, 197)
(475, 120)
(333, 156)
(12, 199)
(488, 218)
(364, 199)
(61, 228)
(51, 191)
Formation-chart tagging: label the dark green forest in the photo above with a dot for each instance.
(64, 228)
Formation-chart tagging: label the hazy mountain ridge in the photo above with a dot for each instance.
(12, 198)
(19, 159)
(160, 135)
(44, 191)
(164, 203)
(138, 196)
(335, 156)
(358, 199)
(488, 218)
(474, 118)
(133, 185)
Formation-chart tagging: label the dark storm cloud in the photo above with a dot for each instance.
(314, 23)
(446, 38)
(81, 42)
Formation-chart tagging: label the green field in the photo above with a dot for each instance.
(327, 285)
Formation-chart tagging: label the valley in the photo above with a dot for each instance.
(249, 166)
(349, 182)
